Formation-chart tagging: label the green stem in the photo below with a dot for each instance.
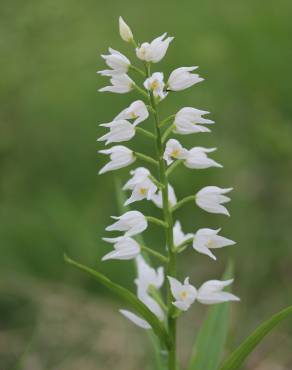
(173, 166)
(150, 108)
(141, 91)
(158, 255)
(136, 69)
(155, 294)
(146, 158)
(134, 43)
(181, 247)
(171, 266)
(145, 132)
(185, 200)
(167, 133)
(156, 182)
(166, 120)
(156, 221)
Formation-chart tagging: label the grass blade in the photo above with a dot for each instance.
(211, 339)
(236, 359)
(127, 296)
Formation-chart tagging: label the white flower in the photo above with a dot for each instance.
(148, 276)
(132, 222)
(120, 84)
(143, 190)
(135, 319)
(211, 199)
(150, 303)
(120, 157)
(211, 292)
(125, 31)
(189, 120)
(154, 51)
(139, 175)
(117, 61)
(197, 158)
(185, 294)
(182, 78)
(178, 235)
(156, 84)
(120, 130)
(136, 111)
(125, 248)
(174, 150)
(206, 239)
(157, 198)
(141, 185)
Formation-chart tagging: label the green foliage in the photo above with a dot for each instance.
(127, 296)
(236, 359)
(211, 339)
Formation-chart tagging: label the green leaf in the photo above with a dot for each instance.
(211, 339)
(236, 359)
(127, 296)
(160, 362)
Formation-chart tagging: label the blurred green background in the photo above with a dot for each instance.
(52, 200)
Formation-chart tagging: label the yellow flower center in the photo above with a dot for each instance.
(143, 191)
(183, 294)
(175, 153)
(210, 243)
(154, 85)
(133, 115)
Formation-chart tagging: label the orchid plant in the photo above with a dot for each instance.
(151, 310)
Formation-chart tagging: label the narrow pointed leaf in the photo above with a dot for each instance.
(128, 297)
(236, 359)
(211, 339)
